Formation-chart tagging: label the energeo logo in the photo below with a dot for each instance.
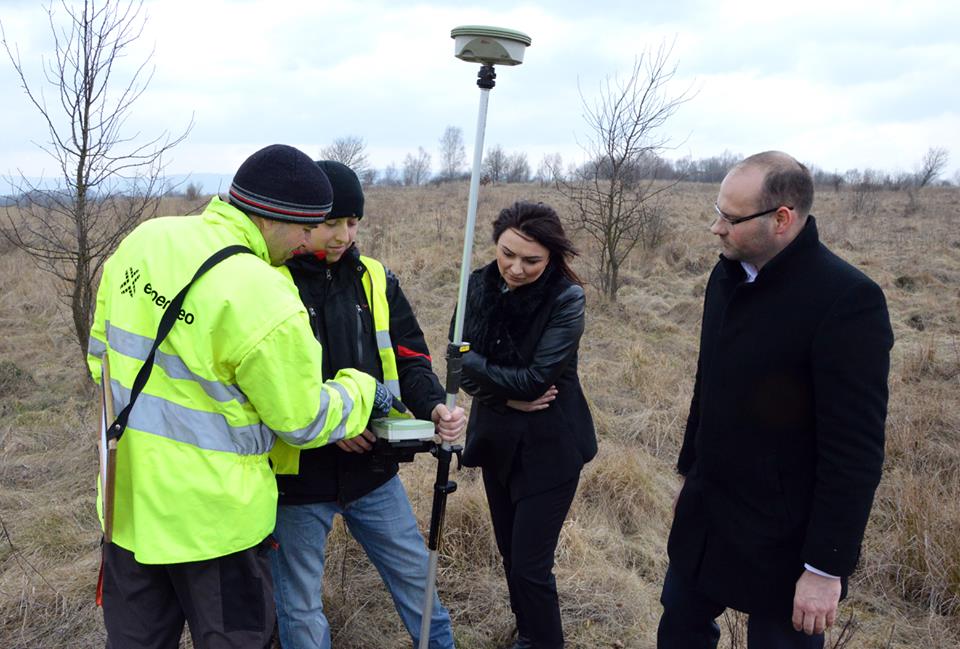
(163, 302)
(129, 285)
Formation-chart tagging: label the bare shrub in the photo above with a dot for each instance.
(863, 191)
(616, 194)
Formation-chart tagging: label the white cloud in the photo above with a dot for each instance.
(841, 83)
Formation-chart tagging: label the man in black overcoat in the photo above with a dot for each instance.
(783, 447)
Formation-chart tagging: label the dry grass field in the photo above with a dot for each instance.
(637, 362)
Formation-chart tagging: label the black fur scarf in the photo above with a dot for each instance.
(498, 320)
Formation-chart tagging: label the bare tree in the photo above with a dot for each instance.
(616, 194)
(390, 176)
(934, 162)
(416, 168)
(351, 151)
(109, 180)
(550, 169)
(453, 154)
(517, 169)
(193, 191)
(706, 170)
(369, 177)
(495, 164)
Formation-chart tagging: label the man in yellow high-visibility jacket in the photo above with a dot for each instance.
(195, 499)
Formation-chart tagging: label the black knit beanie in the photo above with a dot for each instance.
(347, 191)
(282, 183)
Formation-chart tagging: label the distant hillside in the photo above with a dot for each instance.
(210, 183)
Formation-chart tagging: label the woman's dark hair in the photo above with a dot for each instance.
(541, 223)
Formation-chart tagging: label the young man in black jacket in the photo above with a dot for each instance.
(783, 446)
(364, 321)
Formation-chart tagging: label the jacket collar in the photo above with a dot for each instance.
(807, 240)
(226, 215)
(494, 282)
(316, 262)
(498, 320)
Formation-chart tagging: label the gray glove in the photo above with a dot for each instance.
(383, 401)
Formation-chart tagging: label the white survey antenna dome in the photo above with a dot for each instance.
(489, 45)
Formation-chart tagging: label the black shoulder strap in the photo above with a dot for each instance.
(166, 324)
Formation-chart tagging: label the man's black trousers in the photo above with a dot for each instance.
(226, 601)
(689, 622)
(527, 532)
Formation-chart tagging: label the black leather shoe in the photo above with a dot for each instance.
(522, 643)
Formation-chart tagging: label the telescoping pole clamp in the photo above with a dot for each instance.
(488, 46)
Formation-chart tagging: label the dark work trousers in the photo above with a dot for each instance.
(689, 622)
(227, 601)
(527, 532)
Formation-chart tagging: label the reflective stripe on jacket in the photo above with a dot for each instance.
(239, 367)
(375, 288)
(284, 457)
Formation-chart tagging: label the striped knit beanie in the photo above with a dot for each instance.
(282, 183)
(347, 190)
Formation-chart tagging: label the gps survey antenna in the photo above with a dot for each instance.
(487, 46)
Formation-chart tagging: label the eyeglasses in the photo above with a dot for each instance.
(733, 220)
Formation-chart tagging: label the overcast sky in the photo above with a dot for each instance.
(836, 83)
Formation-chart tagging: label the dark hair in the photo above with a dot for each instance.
(541, 223)
(786, 181)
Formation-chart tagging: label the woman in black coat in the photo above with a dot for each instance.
(530, 428)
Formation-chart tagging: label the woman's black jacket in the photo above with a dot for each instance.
(342, 322)
(522, 342)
